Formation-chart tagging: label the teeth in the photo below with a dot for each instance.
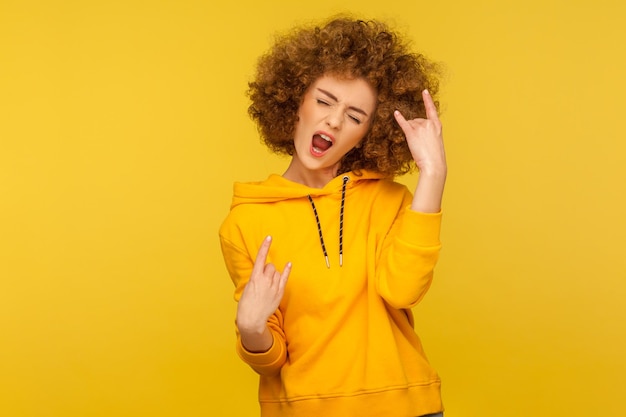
(326, 138)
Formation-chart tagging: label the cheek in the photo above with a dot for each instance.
(306, 110)
(361, 133)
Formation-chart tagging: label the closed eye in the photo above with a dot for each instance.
(355, 119)
(320, 101)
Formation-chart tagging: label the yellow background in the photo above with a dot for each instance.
(123, 125)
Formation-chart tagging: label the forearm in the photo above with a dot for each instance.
(429, 190)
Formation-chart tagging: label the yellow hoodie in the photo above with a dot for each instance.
(344, 343)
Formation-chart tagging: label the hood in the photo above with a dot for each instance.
(276, 188)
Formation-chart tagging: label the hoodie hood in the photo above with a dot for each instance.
(276, 188)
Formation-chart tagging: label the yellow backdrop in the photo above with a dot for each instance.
(123, 125)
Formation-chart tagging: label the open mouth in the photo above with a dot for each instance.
(321, 143)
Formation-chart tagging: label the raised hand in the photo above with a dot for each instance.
(425, 138)
(425, 141)
(260, 299)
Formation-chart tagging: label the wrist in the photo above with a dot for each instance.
(434, 171)
(256, 340)
(251, 327)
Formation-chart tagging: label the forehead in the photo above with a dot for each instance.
(351, 91)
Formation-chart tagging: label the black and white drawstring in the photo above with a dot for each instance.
(343, 200)
(319, 226)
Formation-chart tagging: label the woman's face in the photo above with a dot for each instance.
(334, 116)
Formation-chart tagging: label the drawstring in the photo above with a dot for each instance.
(319, 230)
(343, 200)
(319, 226)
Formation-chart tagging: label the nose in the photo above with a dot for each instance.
(334, 119)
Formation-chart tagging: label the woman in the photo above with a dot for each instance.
(329, 258)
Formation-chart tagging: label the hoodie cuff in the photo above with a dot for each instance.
(420, 229)
(268, 360)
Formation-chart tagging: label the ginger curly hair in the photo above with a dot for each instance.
(348, 48)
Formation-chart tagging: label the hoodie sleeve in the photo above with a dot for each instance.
(408, 257)
(239, 264)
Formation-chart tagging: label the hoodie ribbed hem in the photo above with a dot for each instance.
(409, 401)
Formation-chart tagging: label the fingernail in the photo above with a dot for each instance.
(268, 238)
(426, 91)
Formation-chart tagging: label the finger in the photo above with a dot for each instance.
(429, 105)
(402, 122)
(261, 256)
(283, 278)
(269, 270)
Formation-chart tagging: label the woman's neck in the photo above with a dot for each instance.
(311, 178)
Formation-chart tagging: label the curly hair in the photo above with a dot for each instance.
(347, 48)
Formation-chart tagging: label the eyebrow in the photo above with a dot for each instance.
(356, 109)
